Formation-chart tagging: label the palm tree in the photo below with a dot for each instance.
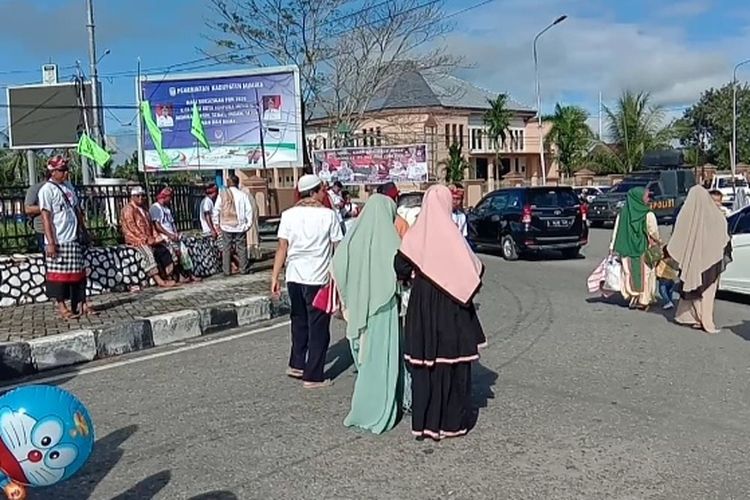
(636, 126)
(497, 119)
(571, 136)
(454, 168)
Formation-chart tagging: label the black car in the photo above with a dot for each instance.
(530, 219)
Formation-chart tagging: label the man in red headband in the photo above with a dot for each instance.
(64, 233)
(459, 217)
(161, 215)
(207, 208)
(390, 190)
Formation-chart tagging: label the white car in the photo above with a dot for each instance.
(736, 277)
(727, 187)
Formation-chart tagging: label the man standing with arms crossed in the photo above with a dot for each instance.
(308, 234)
(234, 214)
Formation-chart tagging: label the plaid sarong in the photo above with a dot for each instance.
(68, 266)
(148, 261)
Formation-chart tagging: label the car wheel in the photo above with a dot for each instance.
(571, 253)
(508, 246)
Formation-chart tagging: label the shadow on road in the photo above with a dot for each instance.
(742, 330)
(148, 488)
(482, 381)
(107, 453)
(341, 356)
(215, 495)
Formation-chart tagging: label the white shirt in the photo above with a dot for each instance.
(460, 219)
(243, 208)
(164, 121)
(59, 200)
(311, 233)
(163, 215)
(207, 206)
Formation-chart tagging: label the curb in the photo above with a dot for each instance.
(18, 359)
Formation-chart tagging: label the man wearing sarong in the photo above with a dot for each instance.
(138, 231)
(64, 229)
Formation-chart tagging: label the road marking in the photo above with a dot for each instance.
(156, 355)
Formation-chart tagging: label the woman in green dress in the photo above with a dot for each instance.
(364, 274)
(636, 231)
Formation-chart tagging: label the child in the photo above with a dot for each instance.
(667, 272)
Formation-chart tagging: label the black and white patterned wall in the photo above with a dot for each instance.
(110, 269)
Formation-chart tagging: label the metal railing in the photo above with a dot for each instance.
(101, 205)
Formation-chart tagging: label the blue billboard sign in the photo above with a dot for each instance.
(244, 113)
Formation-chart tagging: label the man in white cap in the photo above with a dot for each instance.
(139, 233)
(308, 234)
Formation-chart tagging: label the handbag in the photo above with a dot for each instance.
(653, 255)
(613, 275)
(327, 299)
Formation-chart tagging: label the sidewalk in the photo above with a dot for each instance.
(33, 338)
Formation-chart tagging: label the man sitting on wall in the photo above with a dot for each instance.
(139, 233)
(164, 223)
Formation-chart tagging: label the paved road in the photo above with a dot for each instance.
(579, 399)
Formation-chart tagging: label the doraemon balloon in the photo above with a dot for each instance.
(46, 435)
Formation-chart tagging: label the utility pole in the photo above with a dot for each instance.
(600, 116)
(95, 98)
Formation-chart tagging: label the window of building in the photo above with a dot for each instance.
(379, 138)
(461, 135)
(521, 146)
(447, 135)
(454, 129)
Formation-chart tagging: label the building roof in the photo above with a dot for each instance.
(424, 89)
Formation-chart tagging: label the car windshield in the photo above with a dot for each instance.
(410, 200)
(564, 198)
(726, 182)
(624, 187)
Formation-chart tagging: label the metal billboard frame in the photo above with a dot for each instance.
(86, 83)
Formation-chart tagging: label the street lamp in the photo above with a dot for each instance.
(734, 114)
(539, 97)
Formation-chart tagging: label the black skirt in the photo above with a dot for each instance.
(442, 338)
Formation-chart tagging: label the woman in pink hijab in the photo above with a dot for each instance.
(442, 330)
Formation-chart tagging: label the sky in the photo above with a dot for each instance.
(673, 49)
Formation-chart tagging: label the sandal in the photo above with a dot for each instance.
(317, 385)
(294, 373)
(89, 311)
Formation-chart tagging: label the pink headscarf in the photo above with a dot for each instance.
(435, 245)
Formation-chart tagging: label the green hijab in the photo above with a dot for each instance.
(631, 239)
(363, 263)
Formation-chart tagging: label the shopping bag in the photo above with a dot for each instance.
(327, 299)
(185, 261)
(612, 275)
(595, 279)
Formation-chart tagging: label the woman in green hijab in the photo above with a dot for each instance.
(363, 271)
(636, 230)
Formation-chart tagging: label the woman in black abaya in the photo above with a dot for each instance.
(442, 329)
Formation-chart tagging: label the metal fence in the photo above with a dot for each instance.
(101, 205)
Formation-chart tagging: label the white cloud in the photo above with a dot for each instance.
(685, 9)
(588, 53)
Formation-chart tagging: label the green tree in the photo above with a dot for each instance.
(129, 169)
(454, 167)
(497, 120)
(707, 125)
(636, 127)
(571, 136)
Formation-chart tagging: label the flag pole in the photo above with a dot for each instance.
(141, 144)
(262, 149)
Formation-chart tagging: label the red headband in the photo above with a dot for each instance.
(57, 162)
(164, 194)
